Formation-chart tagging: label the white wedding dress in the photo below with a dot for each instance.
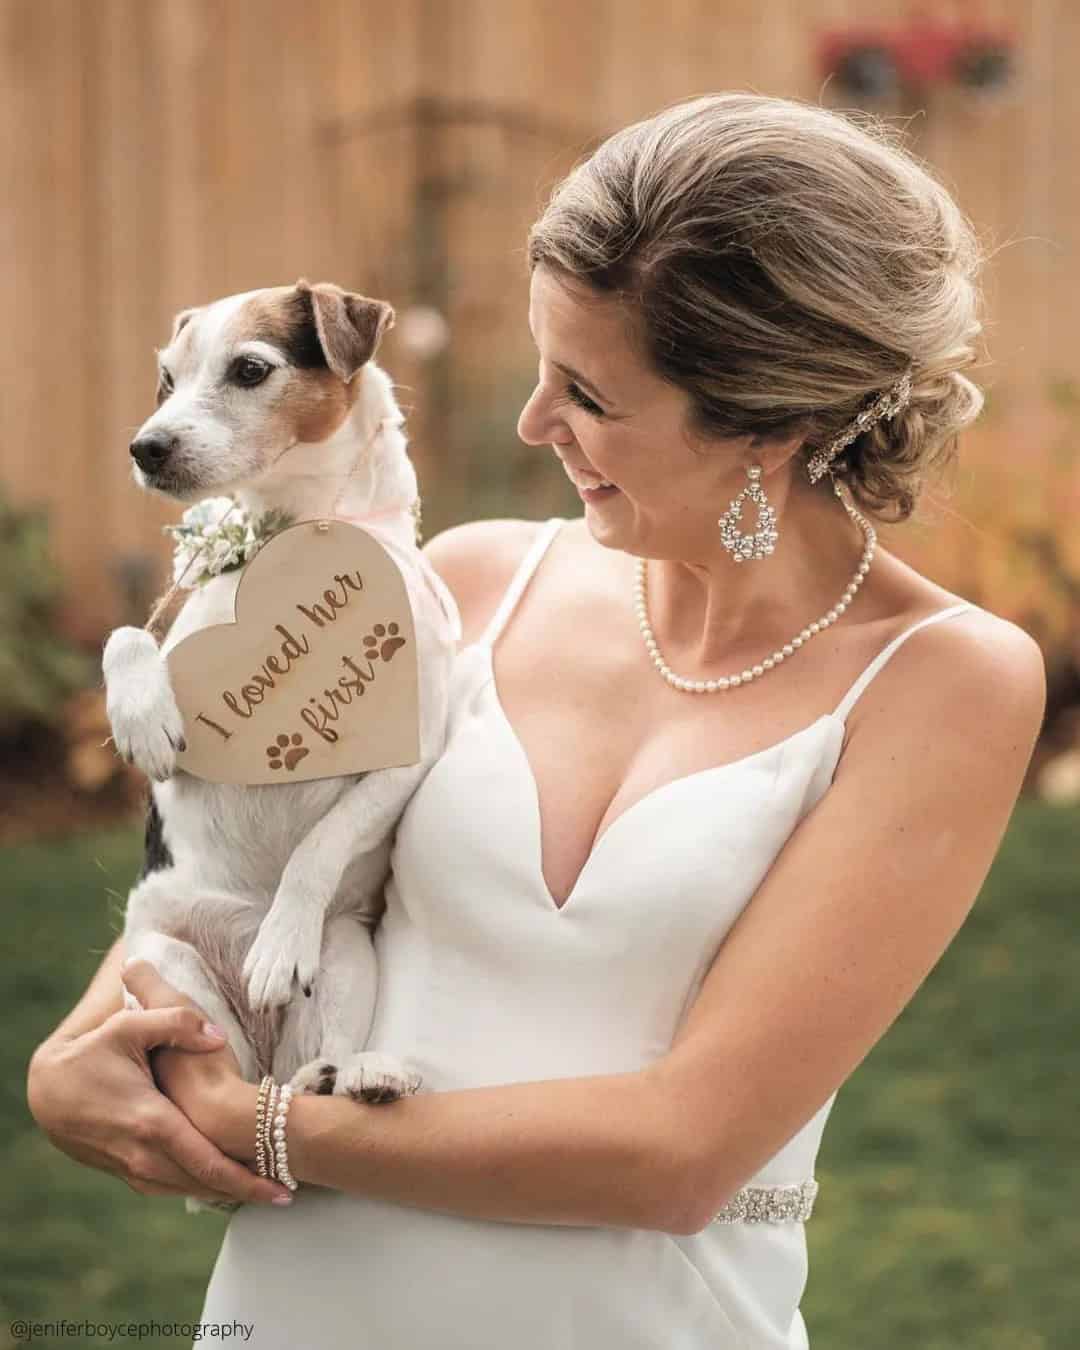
(483, 980)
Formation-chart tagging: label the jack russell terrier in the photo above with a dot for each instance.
(257, 901)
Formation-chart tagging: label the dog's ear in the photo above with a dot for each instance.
(180, 323)
(349, 327)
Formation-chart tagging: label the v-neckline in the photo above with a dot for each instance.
(660, 790)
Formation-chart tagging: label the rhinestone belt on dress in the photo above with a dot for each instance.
(770, 1204)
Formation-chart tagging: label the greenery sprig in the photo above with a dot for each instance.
(216, 535)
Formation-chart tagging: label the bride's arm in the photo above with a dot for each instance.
(608, 1150)
(855, 911)
(581, 1151)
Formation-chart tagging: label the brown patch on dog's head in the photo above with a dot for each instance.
(327, 334)
(315, 401)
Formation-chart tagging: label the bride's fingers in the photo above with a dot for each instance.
(213, 1170)
(158, 1174)
(180, 1028)
(153, 1188)
(142, 979)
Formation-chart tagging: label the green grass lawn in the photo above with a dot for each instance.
(947, 1217)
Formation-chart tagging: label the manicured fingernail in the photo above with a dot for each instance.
(213, 1031)
(283, 1199)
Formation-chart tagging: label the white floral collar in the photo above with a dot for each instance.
(218, 535)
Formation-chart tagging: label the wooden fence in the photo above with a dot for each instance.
(157, 154)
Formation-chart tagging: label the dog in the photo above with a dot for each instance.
(258, 902)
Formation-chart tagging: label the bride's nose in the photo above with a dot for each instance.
(540, 423)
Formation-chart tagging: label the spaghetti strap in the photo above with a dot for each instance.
(850, 698)
(520, 580)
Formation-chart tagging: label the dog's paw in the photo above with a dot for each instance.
(317, 1078)
(146, 724)
(269, 974)
(285, 948)
(374, 1077)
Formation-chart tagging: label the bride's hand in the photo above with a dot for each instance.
(94, 1097)
(208, 1088)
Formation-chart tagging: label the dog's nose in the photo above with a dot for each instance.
(151, 451)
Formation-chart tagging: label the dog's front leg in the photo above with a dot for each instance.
(288, 944)
(146, 724)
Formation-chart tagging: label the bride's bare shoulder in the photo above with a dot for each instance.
(477, 561)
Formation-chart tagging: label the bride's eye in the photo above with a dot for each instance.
(578, 396)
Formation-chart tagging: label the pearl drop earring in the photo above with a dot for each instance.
(745, 547)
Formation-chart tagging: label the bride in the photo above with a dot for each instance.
(723, 778)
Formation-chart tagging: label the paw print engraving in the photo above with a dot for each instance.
(287, 750)
(383, 641)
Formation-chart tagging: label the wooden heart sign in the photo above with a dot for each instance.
(317, 675)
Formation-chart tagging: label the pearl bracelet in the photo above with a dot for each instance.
(271, 1117)
(268, 1128)
(281, 1151)
(260, 1126)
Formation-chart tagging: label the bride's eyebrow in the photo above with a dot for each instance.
(580, 379)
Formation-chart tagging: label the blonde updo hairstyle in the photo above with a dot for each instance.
(786, 265)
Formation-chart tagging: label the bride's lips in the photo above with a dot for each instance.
(589, 487)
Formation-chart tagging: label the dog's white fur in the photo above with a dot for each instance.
(283, 879)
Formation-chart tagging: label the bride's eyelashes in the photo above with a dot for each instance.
(583, 401)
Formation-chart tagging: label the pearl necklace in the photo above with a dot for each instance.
(781, 654)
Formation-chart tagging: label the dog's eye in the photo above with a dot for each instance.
(249, 371)
(165, 385)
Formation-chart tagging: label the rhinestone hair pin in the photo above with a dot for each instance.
(885, 407)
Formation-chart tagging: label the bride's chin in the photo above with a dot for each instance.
(616, 533)
(605, 510)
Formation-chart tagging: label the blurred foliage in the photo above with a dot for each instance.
(39, 668)
(1023, 559)
(945, 1218)
(1005, 536)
